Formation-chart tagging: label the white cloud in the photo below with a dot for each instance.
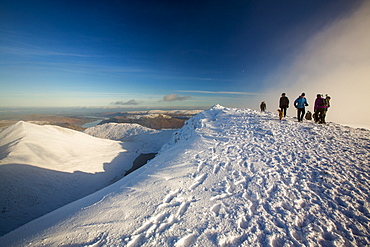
(218, 92)
(335, 61)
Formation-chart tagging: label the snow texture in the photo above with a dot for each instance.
(229, 177)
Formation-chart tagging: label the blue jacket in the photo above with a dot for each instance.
(301, 102)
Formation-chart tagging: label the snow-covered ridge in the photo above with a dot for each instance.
(117, 131)
(45, 167)
(190, 127)
(229, 177)
(56, 148)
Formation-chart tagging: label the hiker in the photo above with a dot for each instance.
(321, 107)
(328, 98)
(284, 103)
(300, 103)
(263, 106)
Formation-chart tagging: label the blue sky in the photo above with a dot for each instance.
(154, 53)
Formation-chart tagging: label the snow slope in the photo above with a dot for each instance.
(45, 167)
(56, 148)
(229, 177)
(135, 138)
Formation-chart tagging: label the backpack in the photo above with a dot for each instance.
(308, 115)
(324, 102)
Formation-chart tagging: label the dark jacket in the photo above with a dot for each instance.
(263, 106)
(284, 102)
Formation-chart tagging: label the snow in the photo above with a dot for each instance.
(151, 115)
(229, 177)
(56, 148)
(117, 131)
(45, 167)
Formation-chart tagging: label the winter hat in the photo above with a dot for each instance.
(303, 94)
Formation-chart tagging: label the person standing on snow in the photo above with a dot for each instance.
(263, 106)
(328, 98)
(284, 103)
(300, 103)
(321, 107)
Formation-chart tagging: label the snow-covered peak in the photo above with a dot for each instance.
(217, 107)
(12, 133)
(229, 177)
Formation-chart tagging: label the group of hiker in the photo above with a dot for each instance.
(320, 108)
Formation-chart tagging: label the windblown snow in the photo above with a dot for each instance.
(229, 177)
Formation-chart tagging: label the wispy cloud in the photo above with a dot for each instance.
(23, 44)
(38, 51)
(335, 61)
(218, 92)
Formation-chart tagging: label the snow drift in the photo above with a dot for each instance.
(229, 177)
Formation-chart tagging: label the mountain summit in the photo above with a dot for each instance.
(229, 177)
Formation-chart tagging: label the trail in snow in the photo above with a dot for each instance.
(274, 183)
(230, 177)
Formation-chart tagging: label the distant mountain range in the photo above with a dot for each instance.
(158, 122)
(154, 119)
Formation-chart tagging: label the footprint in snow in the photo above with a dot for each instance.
(188, 240)
(198, 180)
(182, 209)
(136, 241)
(201, 166)
(152, 222)
(164, 226)
(216, 168)
(171, 195)
(228, 166)
(230, 187)
(216, 209)
(242, 223)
